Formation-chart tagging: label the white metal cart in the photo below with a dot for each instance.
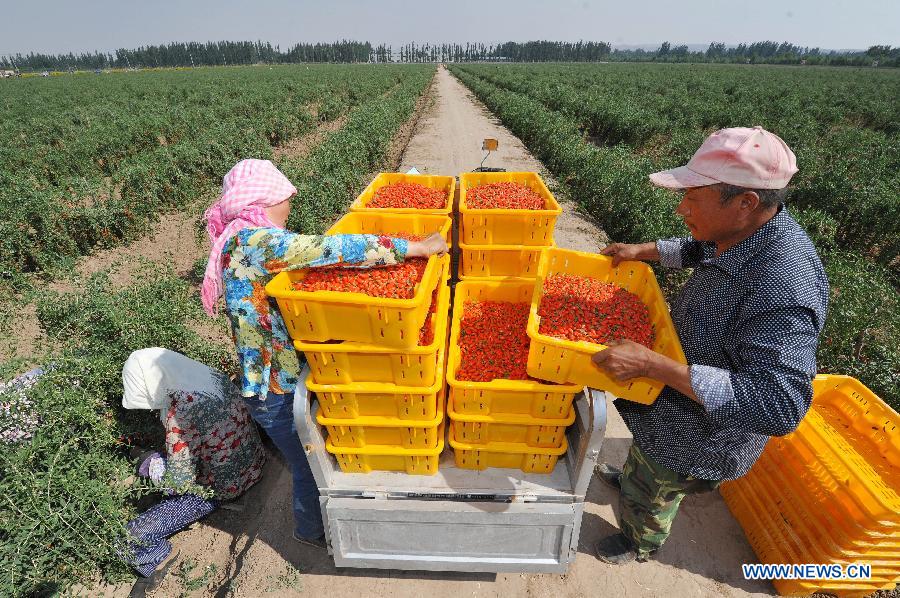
(496, 520)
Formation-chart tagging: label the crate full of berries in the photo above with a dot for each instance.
(580, 303)
(387, 305)
(407, 194)
(506, 208)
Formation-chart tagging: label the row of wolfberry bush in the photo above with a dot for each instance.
(862, 333)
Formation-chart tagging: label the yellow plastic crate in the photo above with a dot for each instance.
(349, 363)
(791, 537)
(771, 547)
(875, 490)
(506, 227)
(786, 463)
(861, 416)
(335, 316)
(445, 183)
(525, 397)
(823, 485)
(384, 399)
(379, 222)
(830, 532)
(499, 261)
(560, 360)
(417, 461)
(384, 431)
(520, 429)
(509, 455)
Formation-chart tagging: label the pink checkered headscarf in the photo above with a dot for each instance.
(248, 188)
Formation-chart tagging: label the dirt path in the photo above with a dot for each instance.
(252, 551)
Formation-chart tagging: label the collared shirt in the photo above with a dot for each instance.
(251, 258)
(749, 322)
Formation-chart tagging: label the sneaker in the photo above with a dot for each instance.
(611, 475)
(616, 550)
(315, 543)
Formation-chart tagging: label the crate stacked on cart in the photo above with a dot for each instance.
(829, 492)
(506, 220)
(411, 194)
(498, 417)
(376, 363)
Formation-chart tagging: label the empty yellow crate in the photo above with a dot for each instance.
(860, 415)
(771, 547)
(510, 455)
(521, 429)
(418, 461)
(499, 261)
(390, 223)
(361, 399)
(525, 397)
(336, 316)
(445, 183)
(506, 227)
(348, 363)
(560, 360)
(384, 431)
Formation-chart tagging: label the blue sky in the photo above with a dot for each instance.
(58, 26)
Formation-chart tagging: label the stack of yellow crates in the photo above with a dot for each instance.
(381, 395)
(828, 493)
(504, 423)
(504, 243)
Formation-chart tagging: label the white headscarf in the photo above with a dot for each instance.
(149, 375)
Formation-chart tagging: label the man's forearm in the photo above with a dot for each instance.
(671, 373)
(648, 252)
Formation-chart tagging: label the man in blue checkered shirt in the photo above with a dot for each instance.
(749, 320)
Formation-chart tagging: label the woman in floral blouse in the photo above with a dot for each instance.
(249, 246)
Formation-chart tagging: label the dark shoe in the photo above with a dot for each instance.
(611, 475)
(152, 583)
(616, 550)
(315, 543)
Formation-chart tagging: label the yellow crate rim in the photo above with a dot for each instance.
(534, 320)
(514, 448)
(441, 325)
(383, 179)
(380, 421)
(388, 450)
(280, 288)
(503, 177)
(509, 418)
(455, 356)
(387, 387)
(397, 218)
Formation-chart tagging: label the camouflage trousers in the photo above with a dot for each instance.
(650, 497)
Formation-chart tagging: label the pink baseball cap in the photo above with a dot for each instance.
(752, 158)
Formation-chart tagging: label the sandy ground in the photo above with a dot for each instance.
(251, 553)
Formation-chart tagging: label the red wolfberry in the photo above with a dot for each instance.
(408, 195)
(426, 333)
(394, 282)
(578, 308)
(493, 342)
(506, 196)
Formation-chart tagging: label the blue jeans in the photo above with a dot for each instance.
(275, 416)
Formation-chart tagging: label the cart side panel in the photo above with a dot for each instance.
(451, 536)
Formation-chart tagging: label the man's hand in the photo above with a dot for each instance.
(433, 244)
(621, 252)
(624, 360)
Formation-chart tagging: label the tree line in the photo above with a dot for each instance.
(181, 54)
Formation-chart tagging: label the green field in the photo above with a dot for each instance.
(93, 162)
(602, 128)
